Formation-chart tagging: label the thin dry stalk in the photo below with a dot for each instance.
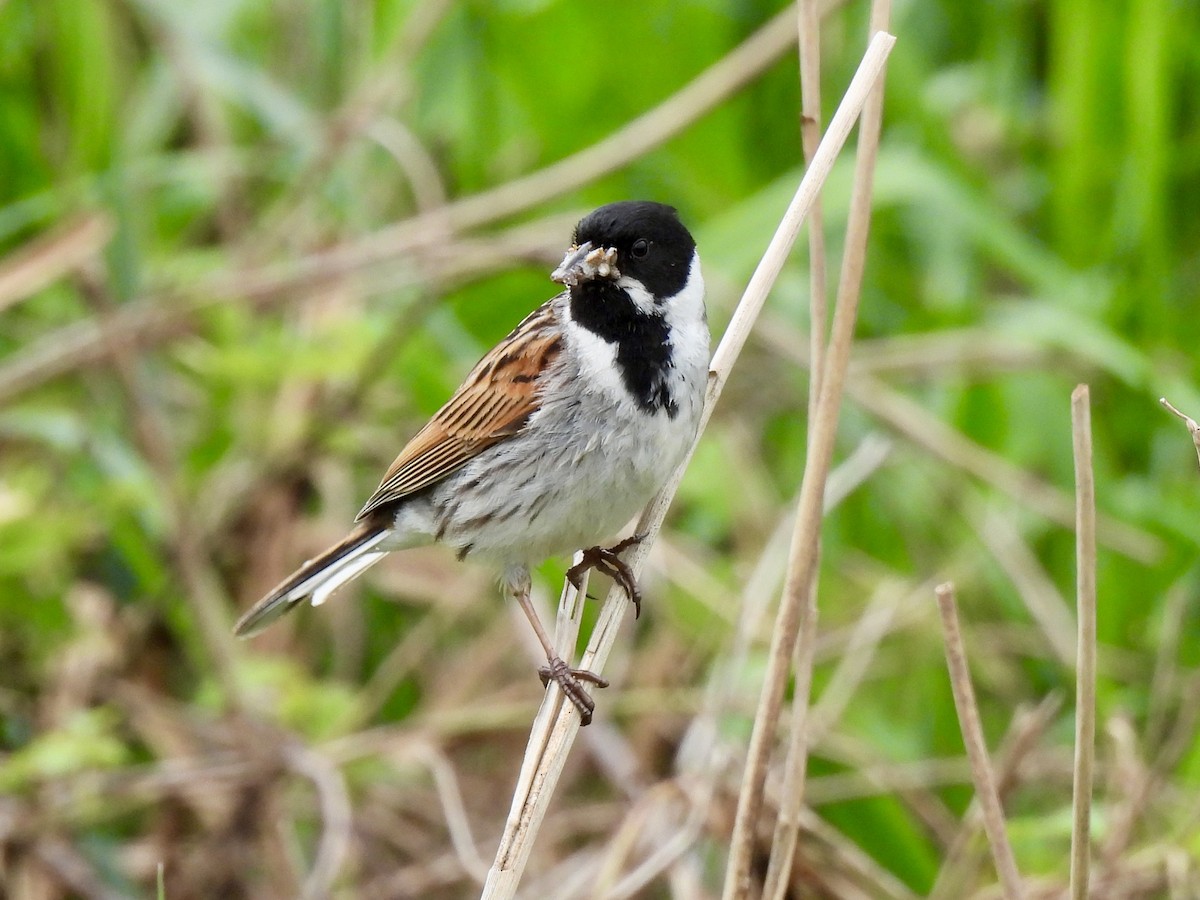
(1085, 679)
(336, 816)
(703, 752)
(809, 27)
(704, 755)
(69, 866)
(454, 810)
(870, 629)
(787, 822)
(1192, 427)
(1034, 585)
(967, 351)
(50, 256)
(1168, 678)
(788, 826)
(546, 753)
(1024, 732)
(665, 823)
(871, 880)
(801, 581)
(1132, 786)
(972, 731)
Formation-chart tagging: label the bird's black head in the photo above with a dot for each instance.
(651, 244)
(626, 273)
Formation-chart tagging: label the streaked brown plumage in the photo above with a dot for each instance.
(494, 401)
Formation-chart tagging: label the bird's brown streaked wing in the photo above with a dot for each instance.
(493, 403)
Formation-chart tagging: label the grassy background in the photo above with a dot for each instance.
(216, 329)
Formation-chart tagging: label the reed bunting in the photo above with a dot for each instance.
(557, 437)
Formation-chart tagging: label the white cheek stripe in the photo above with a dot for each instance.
(637, 292)
(690, 295)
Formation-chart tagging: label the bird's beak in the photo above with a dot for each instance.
(585, 262)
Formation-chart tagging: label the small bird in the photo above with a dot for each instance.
(557, 437)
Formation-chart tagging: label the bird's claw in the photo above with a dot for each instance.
(607, 560)
(568, 681)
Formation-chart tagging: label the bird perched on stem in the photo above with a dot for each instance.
(557, 437)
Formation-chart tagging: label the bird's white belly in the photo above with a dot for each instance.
(573, 479)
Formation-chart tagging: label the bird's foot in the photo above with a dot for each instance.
(568, 681)
(608, 561)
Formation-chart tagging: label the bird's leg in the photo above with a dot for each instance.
(557, 669)
(607, 560)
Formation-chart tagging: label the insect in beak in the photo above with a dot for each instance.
(585, 262)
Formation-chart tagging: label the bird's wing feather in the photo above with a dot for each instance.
(492, 404)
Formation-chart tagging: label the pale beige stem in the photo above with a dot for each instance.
(972, 731)
(799, 602)
(809, 28)
(545, 760)
(1085, 669)
(801, 581)
(1192, 427)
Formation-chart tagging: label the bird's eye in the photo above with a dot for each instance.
(640, 249)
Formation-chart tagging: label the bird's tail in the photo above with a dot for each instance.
(317, 578)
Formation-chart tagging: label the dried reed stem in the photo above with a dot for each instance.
(800, 584)
(63, 249)
(557, 724)
(823, 428)
(972, 731)
(1036, 588)
(788, 825)
(1025, 730)
(1085, 674)
(809, 27)
(1192, 427)
(336, 817)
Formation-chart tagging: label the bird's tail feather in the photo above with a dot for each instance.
(317, 578)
